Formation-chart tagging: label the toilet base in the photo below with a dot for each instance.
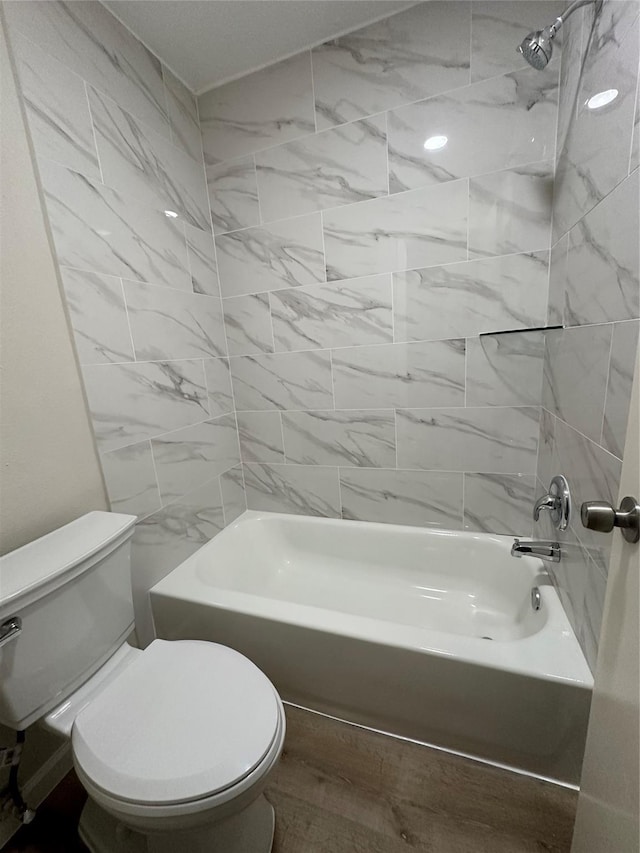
(249, 831)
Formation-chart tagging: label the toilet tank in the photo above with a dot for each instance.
(71, 590)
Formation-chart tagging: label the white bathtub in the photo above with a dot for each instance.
(426, 634)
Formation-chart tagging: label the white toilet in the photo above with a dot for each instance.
(174, 744)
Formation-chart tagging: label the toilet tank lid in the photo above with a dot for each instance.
(37, 568)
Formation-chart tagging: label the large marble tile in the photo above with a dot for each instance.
(362, 439)
(338, 314)
(634, 159)
(593, 475)
(202, 261)
(168, 324)
(498, 123)
(97, 229)
(182, 110)
(299, 489)
(233, 195)
(575, 376)
(187, 458)
(131, 480)
(132, 402)
(546, 442)
(261, 109)
(260, 437)
(282, 381)
(465, 299)
(499, 503)
(498, 26)
(493, 440)
(616, 411)
(603, 264)
(283, 254)
(165, 539)
(405, 57)
(557, 281)
(418, 498)
(337, 167)
(595, 155)
(505, 370)
(98, 316)
(87, 38)
(414, 229)
(234, 500)
(137, 160)
(510, 211)
(248, 324)
(57, 109)
(218, 379)
(400, 375)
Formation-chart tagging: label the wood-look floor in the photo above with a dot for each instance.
(342, 789)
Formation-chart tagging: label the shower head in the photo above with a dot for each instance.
(537, 47)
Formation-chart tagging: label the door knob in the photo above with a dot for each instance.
(601, 516)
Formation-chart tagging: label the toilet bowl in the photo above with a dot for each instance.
(174, 744)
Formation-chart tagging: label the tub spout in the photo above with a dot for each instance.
(547, 551)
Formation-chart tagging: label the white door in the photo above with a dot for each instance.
(607, 819)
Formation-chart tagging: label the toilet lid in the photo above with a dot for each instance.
(185, 720)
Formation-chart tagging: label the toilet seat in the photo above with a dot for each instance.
(185, 723)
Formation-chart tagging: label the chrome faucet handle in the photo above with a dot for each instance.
(557, 502)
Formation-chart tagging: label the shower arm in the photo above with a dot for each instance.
(571, 8)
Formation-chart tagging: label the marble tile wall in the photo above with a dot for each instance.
(118, 143)
(594, 291)
(358, 267)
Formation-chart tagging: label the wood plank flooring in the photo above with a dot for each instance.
(342, 789)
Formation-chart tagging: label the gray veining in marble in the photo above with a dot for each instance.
(282, 381)
(499, 503)
(283, 254)
(557, 281)
(299, 489)
(98, 229)
(595, 155)
(169, 324)
(248, 324)
(56, 103)
(132, 402)
(260, 437)
(616, 412)
(575, 376)
(189, 457)
(92, 43)
(183, 116)
(498, 25)
(418, 498)
(546, 440)
(492, 440)
(510, 211)
(364, 439)
(233, 195)
(142, 163)
(634, 158)
(202, 261)
(410, 55)
(338, 314)
(218, 380)
(465, 299)
(498, 123)
(400, 375)
(337, 167)
(98, 316)
(505, 370)
(415, 229)
(603, 264)
(262, 109)
(234, 500)
(131, 480)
